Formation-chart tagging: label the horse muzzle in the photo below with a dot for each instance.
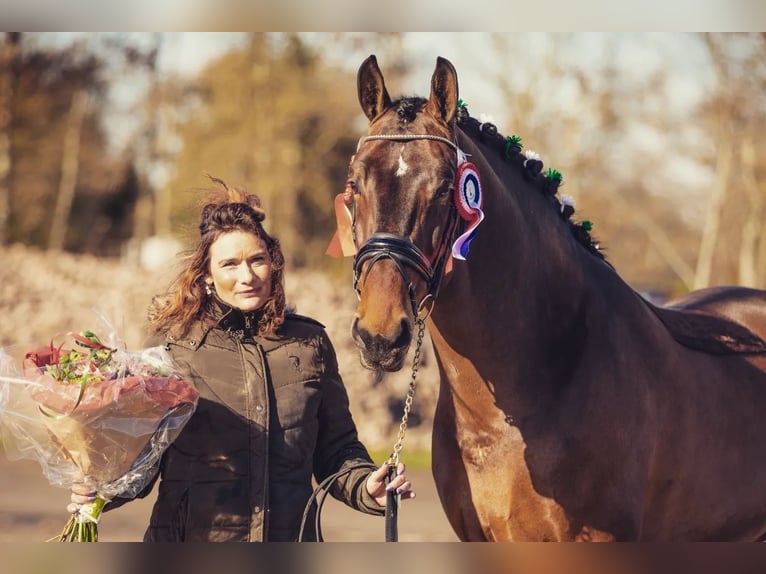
(382, 328)
(379, 352)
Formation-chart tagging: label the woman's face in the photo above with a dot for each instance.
(240, 270)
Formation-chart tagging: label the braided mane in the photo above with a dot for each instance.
(510, 149)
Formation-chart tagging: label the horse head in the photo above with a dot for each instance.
(400, 186)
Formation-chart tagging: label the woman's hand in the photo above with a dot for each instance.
(81, 494)
(376, 484)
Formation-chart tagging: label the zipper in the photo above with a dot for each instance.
(251, 411)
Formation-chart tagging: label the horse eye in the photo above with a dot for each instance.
(351, 187)
(444, 190)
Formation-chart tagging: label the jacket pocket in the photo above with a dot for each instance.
(296, 404)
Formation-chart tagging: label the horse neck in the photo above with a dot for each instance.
(523, 255)
(523, 289)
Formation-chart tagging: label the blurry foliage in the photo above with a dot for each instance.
(45, 83)
(270, 118)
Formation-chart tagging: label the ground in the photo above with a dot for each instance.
(33, 511)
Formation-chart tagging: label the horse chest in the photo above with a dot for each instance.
(485, 484)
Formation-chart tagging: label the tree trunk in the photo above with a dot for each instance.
(9, 50)
(657, 238)
(70, 163)
(158, 136)
(751, 230)
(761, 267)
(717, 200)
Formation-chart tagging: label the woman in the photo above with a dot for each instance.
(273, 410)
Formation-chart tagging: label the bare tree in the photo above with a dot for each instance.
(753, 237)
(70, 165)
(723, 169)
(752, 259)
(9, 50)
(733, 243)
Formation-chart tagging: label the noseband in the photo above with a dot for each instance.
(403, 252)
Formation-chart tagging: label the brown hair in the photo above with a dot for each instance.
(226, 209)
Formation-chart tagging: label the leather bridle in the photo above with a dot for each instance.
(401, 250)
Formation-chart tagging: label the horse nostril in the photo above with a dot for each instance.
(365, 339)
(405, 334)
(360, 335)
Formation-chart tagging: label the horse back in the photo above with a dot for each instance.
(718, 320)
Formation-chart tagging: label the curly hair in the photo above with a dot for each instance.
(226, 209)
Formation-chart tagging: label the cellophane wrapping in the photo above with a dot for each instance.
(92, 413)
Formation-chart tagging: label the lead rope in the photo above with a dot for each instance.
(392, 498)
(317, 498)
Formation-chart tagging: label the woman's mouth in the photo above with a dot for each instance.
(248, 293)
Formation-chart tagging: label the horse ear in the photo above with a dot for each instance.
(442, 104)
(371, 87)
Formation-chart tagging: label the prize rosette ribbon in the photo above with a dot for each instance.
(468, 201)
(94, 414)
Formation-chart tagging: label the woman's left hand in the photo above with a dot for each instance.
(377, 487)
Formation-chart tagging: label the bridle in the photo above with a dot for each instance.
(401, 250)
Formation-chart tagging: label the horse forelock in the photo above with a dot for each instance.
(405, 115)
(408, 108)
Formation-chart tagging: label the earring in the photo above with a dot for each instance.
(208, 290)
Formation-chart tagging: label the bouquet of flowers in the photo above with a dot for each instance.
(91, 413)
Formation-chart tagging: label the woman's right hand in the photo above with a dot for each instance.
(81, 494)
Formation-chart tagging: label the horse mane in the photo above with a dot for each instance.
(548, 182)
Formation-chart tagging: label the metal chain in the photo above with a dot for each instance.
(394, 458)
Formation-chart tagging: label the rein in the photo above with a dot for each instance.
(320, 493)
(318, 497)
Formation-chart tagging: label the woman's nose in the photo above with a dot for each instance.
(245, 274)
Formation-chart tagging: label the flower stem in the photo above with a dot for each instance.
(83, 524)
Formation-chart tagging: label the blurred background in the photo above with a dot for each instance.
(105, 140)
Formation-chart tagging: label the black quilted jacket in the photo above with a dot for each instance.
(272, 412)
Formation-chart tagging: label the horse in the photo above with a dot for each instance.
(570, 408)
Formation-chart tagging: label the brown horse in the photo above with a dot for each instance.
(569, 408)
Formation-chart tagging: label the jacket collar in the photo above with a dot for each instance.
(238, 323)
